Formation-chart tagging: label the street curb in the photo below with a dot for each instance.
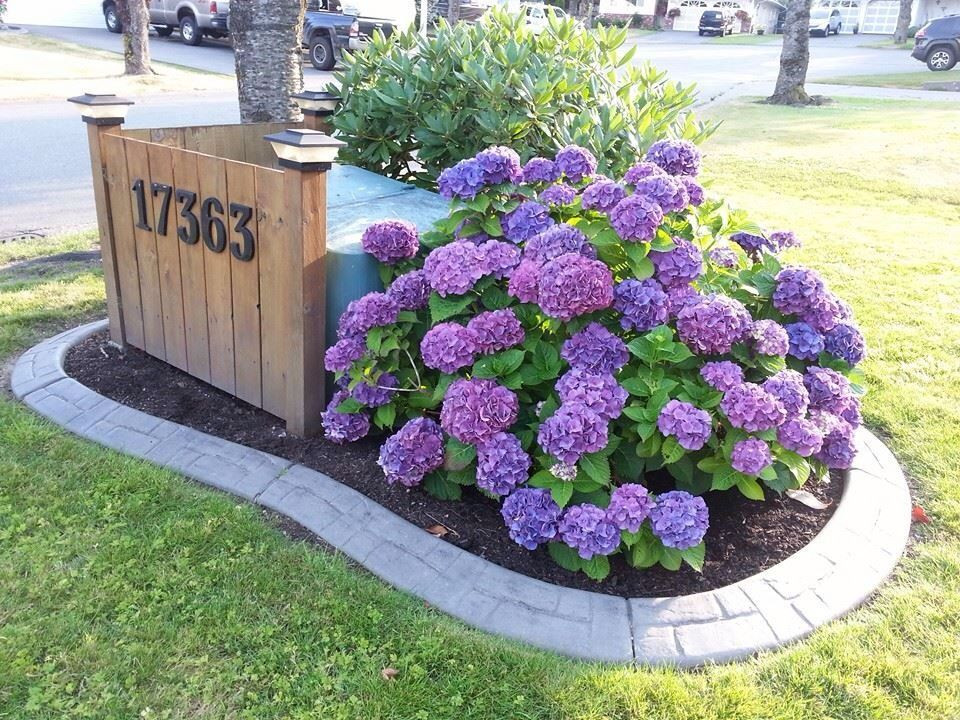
(842, 566)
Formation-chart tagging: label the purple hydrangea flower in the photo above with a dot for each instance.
(602, 195)
(750, 456)
(800, 436)
(372, 310)
(787, 386)
(641, 170)
(475, 410)
(447, 347)
(677, 157)
(502, 464)
(377, 393)
(412, 452)
(749, 407)
(454, 269)
(798, 289)
(524, 281)
(576, 162)
(595, 349)
(722, 375)
(851, 412)
(680, 266)
(837, 451)
(540, 170)
(600, 393)
(558, 194)
(341, 427)
(752, 244)
(463, 180)
(410, 291)
(825, 312)
(712, 325)
(845, 342)
(783, 239)
(500, 165)
(828, 389)
(805, 342)
(680, 297)
(495, 331)
(341, 356)
(391, 241)
(690, 425)
(769, 338)
(643, 304)
(630, 504)
(526, 220)
(667, 191)
(679, 519)
(636, 218)
(573, 430)
(531, 516)
(694, 191)
(499, 258)
(585, 528)
(556, 241)
(723, 256)
(573, 285)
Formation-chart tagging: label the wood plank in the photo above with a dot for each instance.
(128, 277)
(138, 169)
(185, 178)
(168, 254)
(216, 268)
(272, 249)
(245, 274)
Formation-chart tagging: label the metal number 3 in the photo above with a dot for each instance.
(191, 233)
(243, 213)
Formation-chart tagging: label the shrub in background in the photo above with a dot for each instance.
(562, 334)
(413, 106)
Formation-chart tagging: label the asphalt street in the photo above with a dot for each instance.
(45, 176)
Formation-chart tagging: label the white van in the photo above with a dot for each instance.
(400, 13)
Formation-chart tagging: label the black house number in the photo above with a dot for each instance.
(209, 225)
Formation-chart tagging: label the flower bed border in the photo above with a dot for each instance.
(853, 554)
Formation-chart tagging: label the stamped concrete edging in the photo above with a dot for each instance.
(853, 554)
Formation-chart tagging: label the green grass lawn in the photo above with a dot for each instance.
(746, 39)
(910, 81)
(889, 44)
(127, 592)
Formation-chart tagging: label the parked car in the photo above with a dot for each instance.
(394, 14)
(327, 34)
(825, 21)
(938, 43)
(196, 19)
(538, 15)
(715, 22)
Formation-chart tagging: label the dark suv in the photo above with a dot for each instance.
(938, 43)
(716, 22)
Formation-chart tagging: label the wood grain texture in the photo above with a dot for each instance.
(101, 195)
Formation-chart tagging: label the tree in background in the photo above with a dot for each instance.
(135, 18)
(453, 11)
(903, 22)
(587, 11)
(794, 57)
(269, 58)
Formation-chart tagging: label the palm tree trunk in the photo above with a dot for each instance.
(794, 57)
(903, 22)
(453, 11)
(136, 33)
(269, 58)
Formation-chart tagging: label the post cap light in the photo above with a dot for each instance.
(102, 109)
(314, 102)
(305, 149)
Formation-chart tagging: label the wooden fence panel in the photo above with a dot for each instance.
(216, 267)
(115, 160)
(273, 235)
(187, 184)
(245, 273)
(168, 254)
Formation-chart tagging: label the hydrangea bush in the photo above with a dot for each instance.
(563, 333)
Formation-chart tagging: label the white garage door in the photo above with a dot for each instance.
(881, 17)
(689, 19)
(849, 13)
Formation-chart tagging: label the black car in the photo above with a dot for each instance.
(716, 22)
(938, 43)
(327, 34)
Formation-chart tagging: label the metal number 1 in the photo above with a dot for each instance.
(141, 197)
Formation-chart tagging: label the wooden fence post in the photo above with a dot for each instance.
(318, 108)
(104, 115)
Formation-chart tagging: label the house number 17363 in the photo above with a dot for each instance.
(209, 225)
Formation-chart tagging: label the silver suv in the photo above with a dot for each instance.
(194, 18)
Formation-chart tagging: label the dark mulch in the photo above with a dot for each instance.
(745, 537)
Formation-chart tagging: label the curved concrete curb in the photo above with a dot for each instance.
(838, 570)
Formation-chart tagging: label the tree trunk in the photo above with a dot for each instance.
(269, 58)
(453, 12)
(794, 57)
(903, 22)
(587, 12)
(136, 33)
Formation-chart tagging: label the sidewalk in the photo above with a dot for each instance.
(765, 88)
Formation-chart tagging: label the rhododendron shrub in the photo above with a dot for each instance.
(563, 334)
